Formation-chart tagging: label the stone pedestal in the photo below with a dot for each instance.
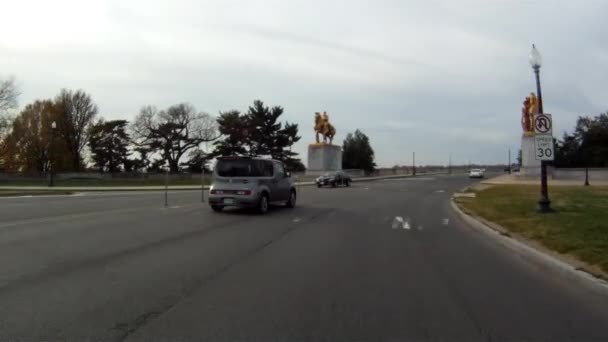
(530, 167)
(322, 158)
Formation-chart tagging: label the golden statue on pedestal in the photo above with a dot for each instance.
(527, 114)
(323, 126)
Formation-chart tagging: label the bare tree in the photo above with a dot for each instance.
(173, 132)
(8, 101)
(8, 95)
(76, 112)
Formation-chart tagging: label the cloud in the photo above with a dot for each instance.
(424, 76)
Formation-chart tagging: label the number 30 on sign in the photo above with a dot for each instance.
(543, 146)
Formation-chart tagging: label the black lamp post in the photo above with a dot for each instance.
(544, 204)
(51, 154)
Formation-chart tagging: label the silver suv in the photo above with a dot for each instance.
(250, 182)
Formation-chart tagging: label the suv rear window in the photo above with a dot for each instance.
(243, 168)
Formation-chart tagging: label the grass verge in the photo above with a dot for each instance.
(108, 183)
(16, 193)
(579, 227)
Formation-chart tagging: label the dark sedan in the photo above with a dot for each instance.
(334, 179)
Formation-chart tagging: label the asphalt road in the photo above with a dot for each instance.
(116, 267)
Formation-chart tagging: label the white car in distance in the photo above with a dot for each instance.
(476, 173)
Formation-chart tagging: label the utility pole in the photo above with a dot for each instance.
(450, 165)
(166, 187)
(509, 161)
(414, 163)
(203, 183)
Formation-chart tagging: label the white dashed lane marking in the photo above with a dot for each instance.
(397, 222)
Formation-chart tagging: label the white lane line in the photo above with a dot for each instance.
(419, 227)
(296, 220)
(406, 225)
(407, 179)
(440, 191)
(445, 221)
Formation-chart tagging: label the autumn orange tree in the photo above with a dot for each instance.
(27, 146)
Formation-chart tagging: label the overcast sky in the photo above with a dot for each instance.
(435, 77)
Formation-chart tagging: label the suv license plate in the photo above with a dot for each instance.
(228, 200)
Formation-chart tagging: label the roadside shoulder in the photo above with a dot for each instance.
(562, 265)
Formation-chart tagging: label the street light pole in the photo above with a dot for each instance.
(51, 154)
(544, 204)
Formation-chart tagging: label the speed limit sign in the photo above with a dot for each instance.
(543, 147)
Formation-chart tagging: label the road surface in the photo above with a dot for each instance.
(384, 260)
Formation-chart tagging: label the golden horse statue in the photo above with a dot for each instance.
(527, 114)
(323, 126)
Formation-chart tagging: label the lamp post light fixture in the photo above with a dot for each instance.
(51, 154)
(544, 204)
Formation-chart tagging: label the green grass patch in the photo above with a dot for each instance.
(578, 227)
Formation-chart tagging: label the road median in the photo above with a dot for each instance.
(76, 188)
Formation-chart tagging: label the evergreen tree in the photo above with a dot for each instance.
(109, 142)
(233, 130)
(358, 153)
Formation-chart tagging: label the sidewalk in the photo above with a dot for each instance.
(514, 179)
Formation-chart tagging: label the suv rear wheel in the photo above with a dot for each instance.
(292, 199)
(263, 204)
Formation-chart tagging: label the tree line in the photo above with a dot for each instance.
(66, 134)
(586, 146)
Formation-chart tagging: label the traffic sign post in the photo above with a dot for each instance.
(544, 151)
(543, 137)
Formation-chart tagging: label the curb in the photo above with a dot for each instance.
(531, 254)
